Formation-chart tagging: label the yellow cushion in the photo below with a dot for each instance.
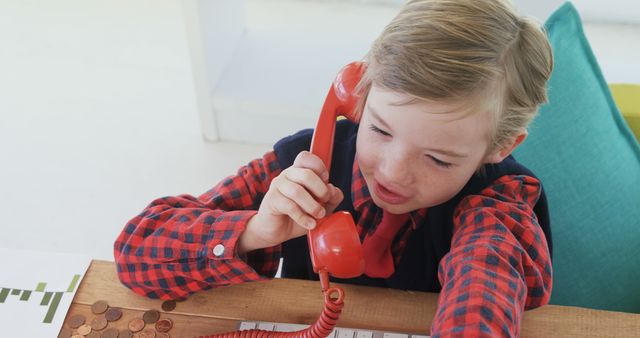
(627, 97)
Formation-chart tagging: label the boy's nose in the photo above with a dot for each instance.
(396, 170)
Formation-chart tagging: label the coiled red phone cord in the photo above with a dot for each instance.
(320, 329)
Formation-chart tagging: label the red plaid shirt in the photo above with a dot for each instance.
(499, 263)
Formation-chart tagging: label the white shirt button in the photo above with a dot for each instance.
(218, 250)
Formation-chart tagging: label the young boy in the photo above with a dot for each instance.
(450, 88)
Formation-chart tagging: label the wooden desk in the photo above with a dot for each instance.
(295, 301)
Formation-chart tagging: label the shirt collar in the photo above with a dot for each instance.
(362, 198)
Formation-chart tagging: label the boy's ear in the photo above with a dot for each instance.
(500, 154)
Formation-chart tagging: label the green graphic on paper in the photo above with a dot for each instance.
(49, 298)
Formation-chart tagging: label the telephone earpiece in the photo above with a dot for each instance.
(341, 101)
(334, 244)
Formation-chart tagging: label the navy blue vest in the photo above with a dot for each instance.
(427, 245)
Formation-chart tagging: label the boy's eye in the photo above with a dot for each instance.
(439, 163)
(378, 130)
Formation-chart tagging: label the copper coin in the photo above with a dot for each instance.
(99, 307)
(169, 305)
(148, 333)
(84, 329)
(110, 333)
(151, 316)
(136, 325)
(64, 333)
(113, 314)
(93, 334)
(76, 320)
(162, 335)
(164, 325)
(99, 323)
(125, 334)
(77, 336)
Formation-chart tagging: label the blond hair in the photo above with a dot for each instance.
(457, 49)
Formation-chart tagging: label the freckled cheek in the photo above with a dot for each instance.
(367, 155)
(432, 187)
(366, 160)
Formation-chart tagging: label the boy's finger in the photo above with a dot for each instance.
(308, 160)
(310, 181)
(290, 208)
(300, 196)
(336, 197)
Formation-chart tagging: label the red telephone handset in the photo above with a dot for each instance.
(334, 244)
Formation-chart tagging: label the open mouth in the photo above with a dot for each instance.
(389, 196)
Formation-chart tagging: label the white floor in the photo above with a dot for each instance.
(66, 191)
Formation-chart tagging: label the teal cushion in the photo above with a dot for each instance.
(589, 164)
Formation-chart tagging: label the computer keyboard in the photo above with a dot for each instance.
(338, 332)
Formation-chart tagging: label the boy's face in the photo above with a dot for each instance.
(414, 156)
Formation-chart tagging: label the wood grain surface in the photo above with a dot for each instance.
(296, 301)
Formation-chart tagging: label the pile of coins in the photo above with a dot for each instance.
(149, 326)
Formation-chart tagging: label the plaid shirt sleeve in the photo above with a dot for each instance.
(179, 245)
(499, 263)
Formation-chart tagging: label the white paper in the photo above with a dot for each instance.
(36, 290)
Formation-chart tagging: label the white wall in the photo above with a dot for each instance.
(292, 49)
(283, 66)
(214, 29)
(593, 10)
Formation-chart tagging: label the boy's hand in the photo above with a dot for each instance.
(296, 198)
